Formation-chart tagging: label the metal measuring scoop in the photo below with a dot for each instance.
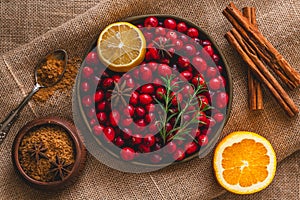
(10, 119)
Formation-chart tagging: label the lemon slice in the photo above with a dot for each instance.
(244, 162)
(121, 46)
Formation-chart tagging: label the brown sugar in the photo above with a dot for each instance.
(52, 70)
(52, 142)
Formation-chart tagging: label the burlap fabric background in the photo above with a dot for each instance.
(30, 28)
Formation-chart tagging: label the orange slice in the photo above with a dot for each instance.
(121, 46)
(244, 162)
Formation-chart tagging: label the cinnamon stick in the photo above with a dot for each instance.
(261, 72)
(262, 46)
(254, 86)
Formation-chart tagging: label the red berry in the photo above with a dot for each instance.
(203, 101)
(198, 80)
(127, 133)
(179, 155)
(145, 74)
(130, 83)
(101, 116)
(172, 35)
(187, 90)
(119, 142)
(208, 49)
(206, 43)
(149, 140)
(134, 99)
(108, 83)
(184, 38)
(127, 122)
(92, 58)
(101, 106)
(91, 113)
(223, 81)
(114, 118)
(98, 129)
(151, 22)
(144, 148)
(150, 108)
(202, 118)
(199, 63)
(145, 99)
(170, 147)
(148, 35)
(85, 86)
(218, 117)
(152, 66)
(140, 112)
(170, 23)
(178, 44)
(216, 58)
(109, 133)
(160, 31)
(147, 89)
(192, 32)
(156, 158)
(182, 27)
(191, 147)
(189, 49)
(87, 101)
(137, 139)
(141, 123)
(215, 84)
(99, 95)
(183, 62)
(130, 109)
(164, 70)
(211, 72)
(87, 72)
(202, 140)
(187, 75)
(221, 99)
(127, 154)
(153, 128)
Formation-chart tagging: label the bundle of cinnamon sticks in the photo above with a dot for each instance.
(259, 53)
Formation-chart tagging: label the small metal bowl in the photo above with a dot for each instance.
(79, 151)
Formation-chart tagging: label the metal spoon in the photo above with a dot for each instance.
(10, 119)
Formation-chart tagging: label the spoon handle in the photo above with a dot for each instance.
(6, 124)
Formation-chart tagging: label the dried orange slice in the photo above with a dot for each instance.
(244, 162)
(121, 46)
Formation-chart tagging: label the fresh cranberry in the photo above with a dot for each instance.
(139, 26)
(212, 122)
(140, 112)
(202, 140)
(144, 148)
(221, 99)
(119, 142)
(170, 23)
(98, 129)
(127, 121)
(127, 133)
(189, 49)
(223, 81)
(216, 58)
(184, 38)
(164, 70)
(99, 95)
(183, 62)
(206, 43)
(152, 66)
(157, 81)
(127, 154)
(206, 131)
(215, 84)
(197, 40)
(178, 44)
(93, 122)
(108, 83)
(211, 72)
(109, 133)
(101, 106)
(156, 158)
(171, 35)
(150, 108)
(149, 118)
(169, 127)
(137, 139)
(165, 60)
(182, 27)
(187, 90)
(208, 49)
(153, 128)
(145, 74)
(145, 99)
(128, 111)
(179, 155)
(91, 113)
(160, 31)
(203, 101)
(134, 99)
(147, 89)
(151, 22)
(218, 117)
(92, 58)
(148, 35)
(85, 86)
(187, 75)
(130, 83)
(199, 63)
(198, 80)
(202, 118)
(191, 148)
(192, 32)
(87, 101)
(149, 140)
(171, 147)
(87, 72)
(114, 118)
(176, 99)
(101, 116)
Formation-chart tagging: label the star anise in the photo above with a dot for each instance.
(60, 168)
(120, 93)
(163, 46)
(37, 151)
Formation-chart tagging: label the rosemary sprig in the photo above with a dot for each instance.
(181, 127)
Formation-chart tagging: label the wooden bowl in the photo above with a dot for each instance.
(79, 152)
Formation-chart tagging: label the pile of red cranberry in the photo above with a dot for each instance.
(172, 45)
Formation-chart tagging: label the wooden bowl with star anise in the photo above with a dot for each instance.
(48, 153)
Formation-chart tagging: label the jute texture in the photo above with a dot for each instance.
(31, 28)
